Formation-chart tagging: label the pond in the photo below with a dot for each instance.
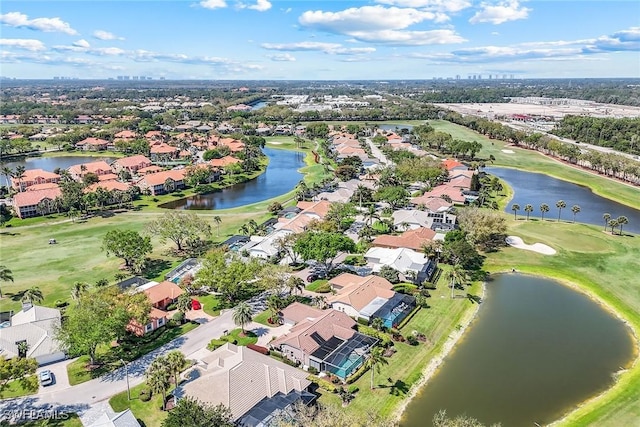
(535, 189)
(536, 349)
(51, 163)
(395, 127)
(280, 177)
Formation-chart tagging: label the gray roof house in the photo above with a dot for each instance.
(37, 326)
(120, 419)
(253, 386)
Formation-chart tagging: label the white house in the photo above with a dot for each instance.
(407, 261)
(35, 325)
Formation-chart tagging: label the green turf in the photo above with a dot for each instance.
(211, 304)
(313, 286)
(150, 413)
(263, 317)
(15, 389)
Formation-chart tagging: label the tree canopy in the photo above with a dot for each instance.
(190, 412)
(322, 246)
(129, 245)
(182, 228)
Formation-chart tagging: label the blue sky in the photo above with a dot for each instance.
(367, 39)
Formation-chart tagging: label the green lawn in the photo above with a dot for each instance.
(313, 286)
(15, 389)
(211, 304)
(110, 357)
(71, 420)
(242, 338)
(150, 413)
(263, 317)
(604, 266)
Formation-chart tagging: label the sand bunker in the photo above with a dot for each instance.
(274, 142)
(508, 151)
(540, 248)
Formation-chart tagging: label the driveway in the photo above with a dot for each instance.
(60, 377)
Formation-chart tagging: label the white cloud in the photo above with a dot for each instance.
(213, 4)
(106, 35)
(48, 25)
(26, 44)
(282, 57)
(500, 13)
(366, 18)
(82, 43)
(410, 38)
(330, 48)
(261, 6)
(439, 5)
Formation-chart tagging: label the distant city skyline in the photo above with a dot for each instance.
(327, 40)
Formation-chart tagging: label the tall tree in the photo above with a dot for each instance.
(18, 174)
(180, 228)
(544, 208)
(128, 245)
(176, 362)
(515, 208)
(217, 220)
(622, 220)
(323, 246)
(575, 209)
(33, 295)
(375, 361)
(158, 378)
(6, 275)
(190, 412)
(78, 289)
(242, 315)
(528, 209)
(21, 369)
(606, 217)
(560, 204)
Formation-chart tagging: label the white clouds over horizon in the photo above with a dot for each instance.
(500, 13)
(330, 48)
(47, 25)
(213, 4)
(26, 44)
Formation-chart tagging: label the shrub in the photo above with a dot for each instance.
(258, 348)
(362, 321)
(353, 389)
(325, 288)
(59, 303)
(145, 395)
(178, 317)
(215, 343)
(411, 340)
(171, 307)
(312, 370)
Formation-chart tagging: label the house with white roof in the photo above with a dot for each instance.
(409, 263)
(37, 327)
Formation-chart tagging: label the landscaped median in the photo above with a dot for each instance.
(80, 370)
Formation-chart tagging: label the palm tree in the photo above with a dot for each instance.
(23, 348)
(33, 295)
(370, 215)
(242, 315)
(515, 208)
(6, 275)
(183, 304)
(375, 360)
(78, 289)
(606, 217)
(319, 301)
(158, 376)
(217, 220)
(544, 208)
(294, 283)
(575, 209)
(175, 363)
(17, 174)
(244, 230)
(253, 226)
(404, 225)
(622, 220)
(528, 209)
(8, 173)
(613, 223)
(560, 204)
(454, 275)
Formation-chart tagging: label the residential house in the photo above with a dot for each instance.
(405, 219)
(412, 265)
(411, 239)
(109, 418)
(160, 295)
(125, 135)
(444, 191)
(34, 203)
(162, 182)
(370, 297)
(255, 387)
(99, 168)
(296, 312)
(92, 144)
(132, 164)
(454, 165)
(37, 326)
(163, 152)
(328, 342)
(33, 177)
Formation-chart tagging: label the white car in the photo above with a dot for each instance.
(46, 378)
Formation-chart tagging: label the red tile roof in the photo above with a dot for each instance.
(31, 198)
(224, 161)
(451, 164)
(162, 291)
(160, 177)
(108, 185)
(100, 167)
(411, 239)
(131, 161)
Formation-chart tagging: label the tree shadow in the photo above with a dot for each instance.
(155, 266)
(398, 388)
(474, 298)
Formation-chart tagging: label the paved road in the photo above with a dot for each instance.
(375, 151)
(79, 398)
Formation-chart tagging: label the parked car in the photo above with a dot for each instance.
(46, 378)
(195, 304)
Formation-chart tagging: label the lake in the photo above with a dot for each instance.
(535, 189)
(280, 177)
(51, 163)
(536, 349)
